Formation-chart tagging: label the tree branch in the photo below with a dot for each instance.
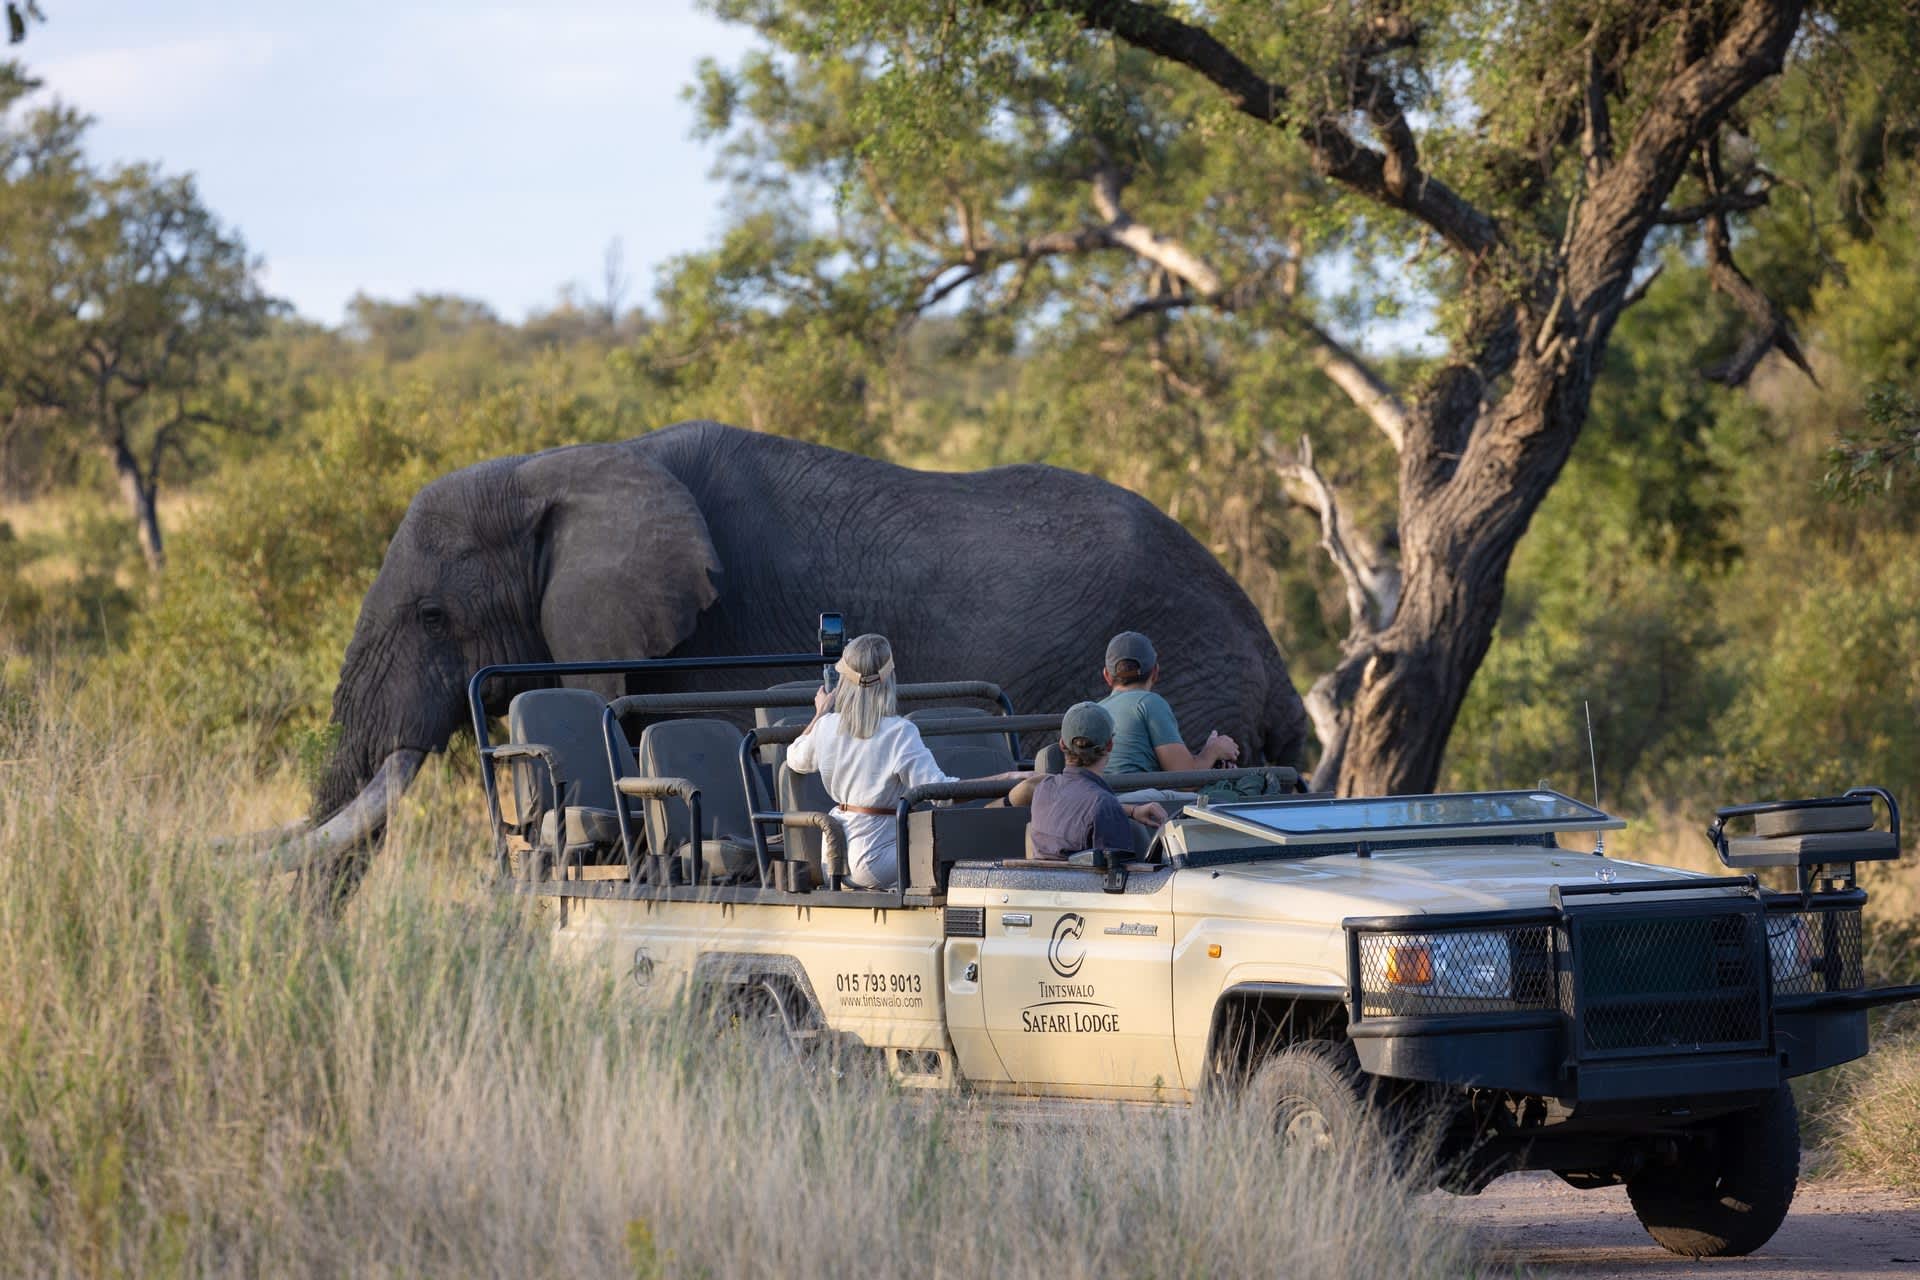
(1335, 151)
(1169, 255)
(1768, 327)
(1366, 388)
(887, 210)
(1737, 201)
(1372, 581)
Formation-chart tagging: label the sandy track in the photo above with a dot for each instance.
(1534, 1222)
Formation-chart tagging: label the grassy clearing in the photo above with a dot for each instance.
(203, 1076)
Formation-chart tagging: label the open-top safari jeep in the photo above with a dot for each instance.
(1471, 967)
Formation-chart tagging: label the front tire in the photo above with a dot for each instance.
(1729, 1193)
(1316, 1096)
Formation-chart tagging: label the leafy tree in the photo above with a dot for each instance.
(1216, 190)
(125, 301)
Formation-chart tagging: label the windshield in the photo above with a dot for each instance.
(1404, 817)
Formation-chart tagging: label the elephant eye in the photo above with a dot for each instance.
(434, 619)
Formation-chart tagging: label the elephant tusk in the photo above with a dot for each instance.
(266, 838)
(360, 819)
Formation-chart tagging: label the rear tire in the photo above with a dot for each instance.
(1730, 1192)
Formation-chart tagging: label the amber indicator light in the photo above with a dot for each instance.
(1409, 966)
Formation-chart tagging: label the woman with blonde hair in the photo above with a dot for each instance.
(868, 755)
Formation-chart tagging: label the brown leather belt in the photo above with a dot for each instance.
(862, 808)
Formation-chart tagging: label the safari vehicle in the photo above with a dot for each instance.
(1352, 961)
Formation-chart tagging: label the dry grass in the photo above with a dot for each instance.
(200, 1075)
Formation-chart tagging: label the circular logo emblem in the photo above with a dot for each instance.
(1064, 951)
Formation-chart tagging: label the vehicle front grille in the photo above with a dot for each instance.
(1644, 983)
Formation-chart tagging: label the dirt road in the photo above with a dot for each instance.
(1533, 1222)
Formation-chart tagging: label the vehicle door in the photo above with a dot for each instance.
(1077, 982)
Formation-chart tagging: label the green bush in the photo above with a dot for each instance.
(245, 642)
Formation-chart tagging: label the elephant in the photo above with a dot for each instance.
(702, 539)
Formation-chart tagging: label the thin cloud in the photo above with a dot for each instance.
(158, 83)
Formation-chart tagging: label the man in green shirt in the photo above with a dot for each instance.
(1146, 736)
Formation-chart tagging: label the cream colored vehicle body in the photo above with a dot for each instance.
(1068, 989)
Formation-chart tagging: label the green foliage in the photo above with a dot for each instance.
(245, 643)
(1857, 467)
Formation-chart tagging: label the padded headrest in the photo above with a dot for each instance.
(569, 722)
(1050, 759)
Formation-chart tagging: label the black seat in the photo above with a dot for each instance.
(802, 793)
(707, 754)
(568, 723)
(939, 837)
(774, 752)
(966, 755)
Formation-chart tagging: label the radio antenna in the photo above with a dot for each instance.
(1593, 760)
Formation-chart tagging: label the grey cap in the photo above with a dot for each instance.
(1086, 724)
(1132, 645)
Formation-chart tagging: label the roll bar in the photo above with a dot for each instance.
(993, 788)
(477, 708)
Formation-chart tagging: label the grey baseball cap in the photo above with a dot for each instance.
(1132, 645)
(1086, 724)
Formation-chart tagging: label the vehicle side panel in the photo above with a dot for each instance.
(875, 973)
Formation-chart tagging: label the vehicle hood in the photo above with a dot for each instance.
(1414, 882)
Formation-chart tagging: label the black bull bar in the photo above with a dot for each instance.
(1611, 992)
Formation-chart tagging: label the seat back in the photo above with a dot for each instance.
(568, 721)
(938, 838)
(966, 755)
(706, 753)
(774, 752)
(970, 757)
(797, 793)
(1050, 759)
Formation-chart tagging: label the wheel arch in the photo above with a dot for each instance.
(731, 972)
(1251, 1019)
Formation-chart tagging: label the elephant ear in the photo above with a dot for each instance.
(627, 554)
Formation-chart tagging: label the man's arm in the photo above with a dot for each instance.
(1175, 758)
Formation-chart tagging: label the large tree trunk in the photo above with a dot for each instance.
(142, 497)
(1389, 706)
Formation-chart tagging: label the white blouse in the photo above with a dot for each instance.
(872, 773)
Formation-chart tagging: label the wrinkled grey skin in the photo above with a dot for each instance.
(705, 539)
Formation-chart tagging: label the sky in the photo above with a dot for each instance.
(490, 150)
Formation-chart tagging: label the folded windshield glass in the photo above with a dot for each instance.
(1344, 820)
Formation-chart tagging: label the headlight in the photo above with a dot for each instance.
(1477, 966)
(1790, 944)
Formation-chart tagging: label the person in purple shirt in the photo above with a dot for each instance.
(1075, 809)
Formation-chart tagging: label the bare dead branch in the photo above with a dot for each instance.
(1768, 327)
(1372, 581)
(1358, 379)
(1169, 255)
